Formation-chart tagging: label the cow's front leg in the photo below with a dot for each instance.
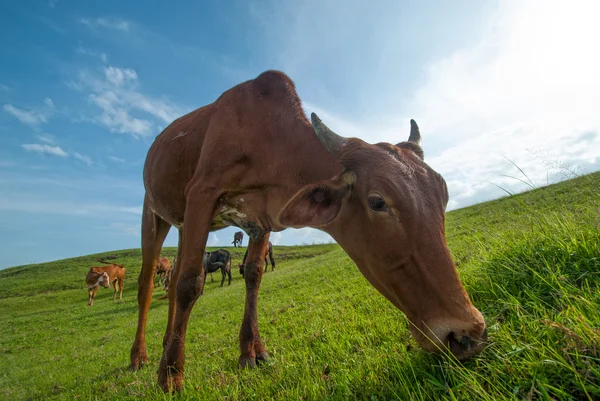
(189, 285)
(92, 295)
(251, 346)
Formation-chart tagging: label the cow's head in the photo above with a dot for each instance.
(386, 209)
(104, 280)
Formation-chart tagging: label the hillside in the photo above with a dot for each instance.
(530, 262)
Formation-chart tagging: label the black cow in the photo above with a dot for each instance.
(219, 259)
(270, 254)
(237, 239)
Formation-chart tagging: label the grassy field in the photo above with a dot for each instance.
(530, 262)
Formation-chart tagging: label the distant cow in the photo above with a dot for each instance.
(163, 269)
(104, 275)
(237, 238)
(219, 259)
(270, 254)
(168, 279)
(169, 275)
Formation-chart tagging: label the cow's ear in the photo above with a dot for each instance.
(318, 204)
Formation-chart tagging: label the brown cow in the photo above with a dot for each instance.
(104, 275)
(269, 253)
(237, 238)
(382, 203)
(162, 269)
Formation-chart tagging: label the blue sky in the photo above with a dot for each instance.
(86, 86)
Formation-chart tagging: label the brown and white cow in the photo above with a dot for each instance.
(382, 203)
(163, 269)
(104, 275)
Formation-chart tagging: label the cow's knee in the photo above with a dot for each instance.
(253, 272)
(189, 288)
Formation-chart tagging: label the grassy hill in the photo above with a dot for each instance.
(530, 262)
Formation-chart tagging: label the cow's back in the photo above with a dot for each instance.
(219, 256)
(253, 135)
(114, 271)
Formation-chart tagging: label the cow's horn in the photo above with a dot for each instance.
(330, 140)
(415, 134)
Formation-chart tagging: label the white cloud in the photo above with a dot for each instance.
(47, 149)
(212, 239)
(116, 159)
(46, 138)
(32, 118)
(84, 158)
(308, 235)
(133, 210)
(86, 52)
(21, 203)
(127, 229)
(108, 23)
(49, 103)
(117, 118)
(117, 94)
(275, 238)
(120, 76)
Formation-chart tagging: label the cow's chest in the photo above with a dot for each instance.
(238, 215)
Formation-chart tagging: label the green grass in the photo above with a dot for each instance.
(530, 262)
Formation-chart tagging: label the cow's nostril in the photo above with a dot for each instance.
(455, 344)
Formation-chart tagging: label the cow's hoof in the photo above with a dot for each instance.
(247, 362)
(138, 362)
(170, 382)
(263, 357)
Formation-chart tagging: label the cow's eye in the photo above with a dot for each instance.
(377, 204)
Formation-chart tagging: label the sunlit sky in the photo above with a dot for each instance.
(85, 87)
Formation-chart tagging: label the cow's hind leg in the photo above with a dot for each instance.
(121, 281)
(251, 346)
(223, 273)
(115, 283)
(154, 232)
(197, 221)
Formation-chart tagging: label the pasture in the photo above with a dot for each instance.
(530, 262)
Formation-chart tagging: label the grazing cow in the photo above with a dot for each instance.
(237, 238)
(219, 259)
(269, 252)
(162, 269)
(169, 275)
(104, 275)
(382, 203)
(168, 281)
